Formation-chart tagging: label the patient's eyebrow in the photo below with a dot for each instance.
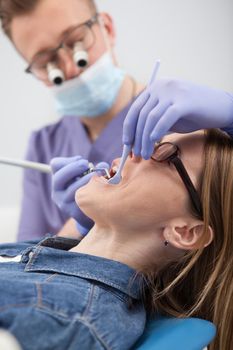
(160, 141)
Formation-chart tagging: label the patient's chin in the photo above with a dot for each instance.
(81, 195)
(90, 201)
(84, 199)
(88, 193)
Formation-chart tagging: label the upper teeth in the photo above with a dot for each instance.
(114, 169)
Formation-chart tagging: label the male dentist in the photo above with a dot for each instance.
(69, 47)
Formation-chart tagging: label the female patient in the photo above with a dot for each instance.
(162, 242)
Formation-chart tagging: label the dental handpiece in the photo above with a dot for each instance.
(45, 168)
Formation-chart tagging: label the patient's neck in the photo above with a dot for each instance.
(131, 248)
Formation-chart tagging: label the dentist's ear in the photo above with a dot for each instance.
(188, 234)
(107, 22)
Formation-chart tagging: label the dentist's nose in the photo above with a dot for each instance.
(67, 65)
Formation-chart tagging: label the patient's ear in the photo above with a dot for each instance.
(188, 234)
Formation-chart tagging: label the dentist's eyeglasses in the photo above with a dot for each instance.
(169, 152)
(80, 34)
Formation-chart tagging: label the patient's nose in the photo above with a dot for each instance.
(115, 163)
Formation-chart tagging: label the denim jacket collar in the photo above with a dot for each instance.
(51, 255)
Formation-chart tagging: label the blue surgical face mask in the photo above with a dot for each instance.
(93, 92)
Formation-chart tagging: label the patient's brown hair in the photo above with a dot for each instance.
(203, 284)
(12, 8)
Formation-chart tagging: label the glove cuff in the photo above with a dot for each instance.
(228, 130)
(82, 230)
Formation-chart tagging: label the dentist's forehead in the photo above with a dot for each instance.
(46, 33)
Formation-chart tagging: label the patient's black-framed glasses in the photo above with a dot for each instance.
(80, 33)
(169, 152)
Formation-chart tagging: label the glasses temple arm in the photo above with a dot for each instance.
(188, 183)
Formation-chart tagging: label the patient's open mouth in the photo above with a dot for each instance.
(112, 172)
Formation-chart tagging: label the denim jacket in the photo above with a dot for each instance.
(51, 298)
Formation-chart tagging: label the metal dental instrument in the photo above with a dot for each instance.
(45, 168)
(92, 169)
(127, 148)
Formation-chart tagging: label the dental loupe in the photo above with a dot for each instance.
(55, 75)
(80, 56)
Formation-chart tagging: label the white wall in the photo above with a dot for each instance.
(193, 39)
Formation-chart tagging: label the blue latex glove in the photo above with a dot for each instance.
(177, 106)
(67, 178)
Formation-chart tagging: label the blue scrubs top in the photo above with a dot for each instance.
(66, 138)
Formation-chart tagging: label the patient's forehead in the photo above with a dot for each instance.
(186, 141)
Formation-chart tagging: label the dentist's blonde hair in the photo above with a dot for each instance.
(10, 9)
(203, 284)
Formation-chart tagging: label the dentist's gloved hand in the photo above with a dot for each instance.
(177, 106)
(67, 178)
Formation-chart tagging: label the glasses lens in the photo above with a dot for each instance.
(164, 151)
(39, 65)
(82, 34)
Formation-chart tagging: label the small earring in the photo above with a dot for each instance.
(166, 243)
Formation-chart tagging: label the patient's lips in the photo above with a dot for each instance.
(113, 171)
(114, 167)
